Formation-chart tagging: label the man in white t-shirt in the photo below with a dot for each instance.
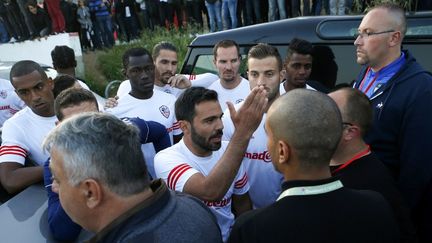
(204, 166)
(10, 103)
(230, 86)
(298, 66)
(165, 59)
(145, 102)
(22, 134)
(265, 70)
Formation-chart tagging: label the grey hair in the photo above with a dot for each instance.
(101, 147)
(310, 122)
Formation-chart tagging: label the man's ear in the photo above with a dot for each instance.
(395, 38)
(50, 83)
(92, 192)
(284, 152)
(185, 126)
(123, 71)
(351, 132)
(282, 75)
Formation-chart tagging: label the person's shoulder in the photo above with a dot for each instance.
(197, 215)
(174, 151)
(163, 96)
(367, 200)
(215, 85)
(20, 117)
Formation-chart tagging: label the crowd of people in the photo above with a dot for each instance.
(100, 22)
(222, 158)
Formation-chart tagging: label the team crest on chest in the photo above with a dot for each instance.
(164, 110)
(3, 94)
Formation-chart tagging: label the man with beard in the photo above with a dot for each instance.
(145, 102)
(298, 65)
(264, 70)
(204, 166)
(165, 60)
(230, 86)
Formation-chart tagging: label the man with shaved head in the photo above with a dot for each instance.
(401, 94)
(313, 207)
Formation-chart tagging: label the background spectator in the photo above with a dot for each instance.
(40, 19)
(214, 14)
(69, 10)
(56, 15)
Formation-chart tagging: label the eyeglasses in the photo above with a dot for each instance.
(363, 35)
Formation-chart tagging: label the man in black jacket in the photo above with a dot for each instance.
(313, 207)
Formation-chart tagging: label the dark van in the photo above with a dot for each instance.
(335, 32)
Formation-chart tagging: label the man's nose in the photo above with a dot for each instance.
(357, 41)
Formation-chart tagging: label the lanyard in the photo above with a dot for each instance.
(354, 158)
(370, 84)
(311, 190)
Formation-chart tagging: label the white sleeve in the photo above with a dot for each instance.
(173, 169)
(202, 80)
(13, 149)
(176, 125)
(228, 129)
(241, 182)
(124, 88)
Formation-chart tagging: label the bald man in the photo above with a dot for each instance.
(353, 158)
(401, 94)
(313, 206)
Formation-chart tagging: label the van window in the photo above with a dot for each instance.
(346, 29)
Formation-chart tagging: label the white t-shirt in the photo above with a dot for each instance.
(236, 95)
(10, 102)
(158, 108)
(176, 164)
(283, 91)
(201, 80)
(22, 136)
(265, 182)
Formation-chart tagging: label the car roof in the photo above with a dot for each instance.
(315, 29)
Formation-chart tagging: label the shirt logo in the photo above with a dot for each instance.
(164, 110)
(238, 101)
(379, 106)
(3, 94)
(264, 156)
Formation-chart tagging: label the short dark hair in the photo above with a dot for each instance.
(62, 82)
(63, 57)
(225, 44)
(357, 109)
(262, 50)
(186, 102)
(134, 52)
(71, 97)
(25, 67)
(299, 46)
(163, 45)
